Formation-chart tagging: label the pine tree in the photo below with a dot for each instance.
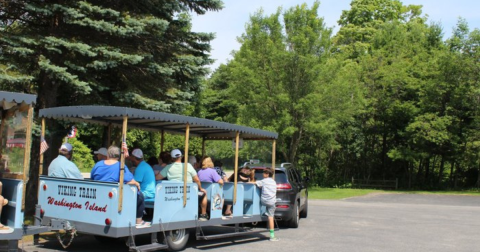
(136, 53)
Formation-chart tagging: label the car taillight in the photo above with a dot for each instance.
(285, 186)
(282, 206)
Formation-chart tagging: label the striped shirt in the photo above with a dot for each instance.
(269, 191)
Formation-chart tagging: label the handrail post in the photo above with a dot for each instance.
(109, 134)
(40, 167)
(235, 169)
(203, 148)
(26, 158)
(162, 141)
(122, 163)
(185, 166)
(273, 157)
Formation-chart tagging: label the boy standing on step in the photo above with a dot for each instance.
(268, 198)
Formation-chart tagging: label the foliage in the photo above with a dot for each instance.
(384, 98)
(82, 155)
(141, 54)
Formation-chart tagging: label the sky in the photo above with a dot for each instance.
(229, 23)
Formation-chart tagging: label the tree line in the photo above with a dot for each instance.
(385, 97)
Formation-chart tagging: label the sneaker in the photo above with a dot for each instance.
(203, 217)
(274, 239)
(143, 224)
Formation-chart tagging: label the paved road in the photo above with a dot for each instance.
(379, 222)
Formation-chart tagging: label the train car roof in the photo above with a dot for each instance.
(9, 99)
(155, 121)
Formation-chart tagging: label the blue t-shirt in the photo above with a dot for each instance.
(145, 176)
(109, 173)
(61, 167)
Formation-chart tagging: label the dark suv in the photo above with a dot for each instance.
(292, 193)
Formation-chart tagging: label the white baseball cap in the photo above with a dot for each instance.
(137, 153)
(101, 151)
(176, 153)
(192, 160)
(66, 146)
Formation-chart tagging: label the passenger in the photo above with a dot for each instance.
(245, 175)
(144, 174)
(62, 167)
(174, 172)
(164, 159)
(109, 171)
(218, 167)
(152, 161)
(207, 173)
(268, 198)
(194, 162)
(3, 202)
(101, 154)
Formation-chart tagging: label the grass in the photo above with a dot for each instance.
(342, 193)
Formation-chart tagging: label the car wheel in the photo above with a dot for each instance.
(177, 239)
(293, 223)
(304, 212)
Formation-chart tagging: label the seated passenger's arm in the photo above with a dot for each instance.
(159, 176)
(196, 180)
(220, 181)
(133, 182)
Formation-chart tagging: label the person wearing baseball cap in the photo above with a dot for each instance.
(174, 172)
(62, 166)
(101, 154)
(143, 174)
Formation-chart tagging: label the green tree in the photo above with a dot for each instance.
(140, 54)
(276, 73)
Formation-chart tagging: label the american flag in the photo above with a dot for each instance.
(124, 148)
(43, 145)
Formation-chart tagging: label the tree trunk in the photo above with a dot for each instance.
(440, 172)
(452, 166)
(427, 169)
(478, 178)
(419, 172)
(46, 98)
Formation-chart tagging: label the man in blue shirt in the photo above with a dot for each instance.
(143, 174)
(109, 171)
(62, 167)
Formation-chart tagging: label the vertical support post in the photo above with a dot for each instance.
(122, 164)
(273, 156)
(235, 168)
(162, 141)
(26, 157)
(109, 135)
(40, 168)
(2, 128)
(396, 183)
(203, 148)
(185, 165)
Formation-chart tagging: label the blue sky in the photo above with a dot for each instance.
(229, 23)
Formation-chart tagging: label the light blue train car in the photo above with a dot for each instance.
(108, 209)
(16, 113)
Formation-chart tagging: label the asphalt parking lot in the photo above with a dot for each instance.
(376, 222)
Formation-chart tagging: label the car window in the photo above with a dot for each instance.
(258, 174)
(280, 177)
(296, 175)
